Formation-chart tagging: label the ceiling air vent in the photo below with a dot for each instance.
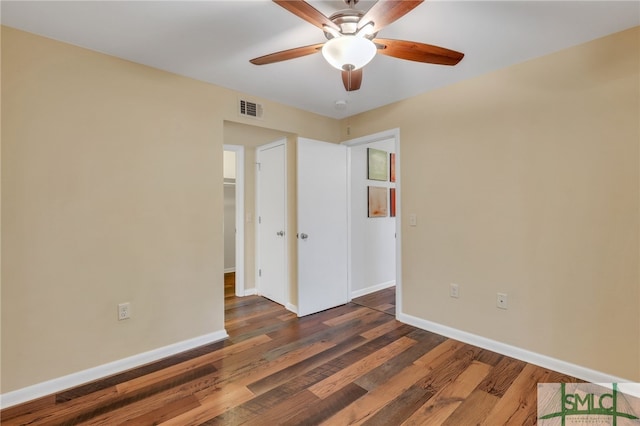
(250, 109)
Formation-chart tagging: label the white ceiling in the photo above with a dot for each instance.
(213, 41)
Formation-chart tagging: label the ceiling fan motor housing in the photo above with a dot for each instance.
(347, 20)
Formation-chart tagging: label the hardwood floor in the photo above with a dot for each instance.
(229, 285)
(383, 301)
(353, 364)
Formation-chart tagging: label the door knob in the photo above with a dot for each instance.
(304, 236)
(280, 233)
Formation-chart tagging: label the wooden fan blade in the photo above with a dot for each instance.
(385, 12)
(307, 12)
(352, 79)
(285, 55)
(419, 52)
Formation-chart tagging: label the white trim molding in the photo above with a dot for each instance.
(544, 361)
(250, 291)
(85, 376)
(291, 307)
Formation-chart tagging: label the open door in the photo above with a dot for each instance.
(322, 226)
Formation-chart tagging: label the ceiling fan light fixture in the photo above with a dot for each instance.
(349, 52)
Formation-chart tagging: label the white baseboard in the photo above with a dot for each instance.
(372, 289)
(560, 366)
(75, 379)
(291, 307)
(227, 270)
(250, 291)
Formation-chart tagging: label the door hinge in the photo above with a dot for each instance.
(259, 219)
(258, 165)
(259, 272)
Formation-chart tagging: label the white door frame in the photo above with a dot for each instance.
(239, 151)
(384, 135)
(287, 294)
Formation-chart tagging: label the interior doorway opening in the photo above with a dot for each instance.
(374, 253)
(250, 137)
(233, 172)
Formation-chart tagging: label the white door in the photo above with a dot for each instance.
(271, 220)
(322, 226)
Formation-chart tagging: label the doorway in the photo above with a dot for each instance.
(374, 254)
(251, 137)
(233, 170)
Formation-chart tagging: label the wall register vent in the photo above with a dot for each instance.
(250, 109)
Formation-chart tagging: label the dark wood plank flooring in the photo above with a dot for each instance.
(354, 364)
(383, 301)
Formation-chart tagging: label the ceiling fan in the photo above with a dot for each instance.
(352, 42)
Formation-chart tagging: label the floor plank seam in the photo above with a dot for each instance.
(373, 308)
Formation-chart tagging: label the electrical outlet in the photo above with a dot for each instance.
(124, 311)
(501, 301)
(454, 290)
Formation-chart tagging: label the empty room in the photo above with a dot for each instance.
(430, 213)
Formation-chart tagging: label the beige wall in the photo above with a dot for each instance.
(526, 181)
(112, 192)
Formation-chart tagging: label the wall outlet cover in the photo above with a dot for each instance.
(502, 301)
